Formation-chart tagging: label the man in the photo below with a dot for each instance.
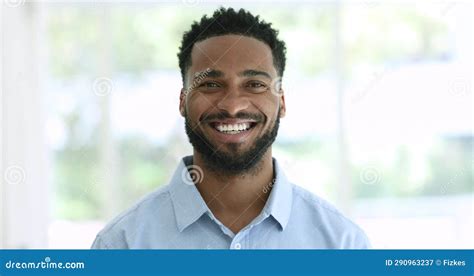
(231, 193)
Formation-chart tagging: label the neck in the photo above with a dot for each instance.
(236, 199)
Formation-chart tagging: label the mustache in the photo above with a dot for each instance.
(225, 115)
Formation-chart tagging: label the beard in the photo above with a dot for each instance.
(233, 162)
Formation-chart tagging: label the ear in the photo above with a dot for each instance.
(282, 104)
(182, 101)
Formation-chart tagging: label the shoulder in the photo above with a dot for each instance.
(338, 230)
(119, 232)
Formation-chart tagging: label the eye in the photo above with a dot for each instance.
(256, 86)
(209, 84)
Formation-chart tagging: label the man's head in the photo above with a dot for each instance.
(232, 100)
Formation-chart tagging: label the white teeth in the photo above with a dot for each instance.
(235, 128)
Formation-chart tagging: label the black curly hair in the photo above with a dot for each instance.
(228, 21)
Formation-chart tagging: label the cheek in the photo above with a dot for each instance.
(269, 106)
(196, 105)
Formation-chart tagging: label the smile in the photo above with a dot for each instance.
(233, 128)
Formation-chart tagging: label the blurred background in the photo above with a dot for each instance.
(379, 113)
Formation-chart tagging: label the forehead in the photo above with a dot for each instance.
(232, 53)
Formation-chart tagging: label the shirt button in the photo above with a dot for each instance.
(237, 246)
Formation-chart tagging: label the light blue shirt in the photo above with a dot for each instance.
(176, 217)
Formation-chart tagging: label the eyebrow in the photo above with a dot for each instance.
(253, 73)
(208, 73)
(217, 74)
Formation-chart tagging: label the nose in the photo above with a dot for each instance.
(233, 102)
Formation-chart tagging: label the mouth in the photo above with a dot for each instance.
(233, 127)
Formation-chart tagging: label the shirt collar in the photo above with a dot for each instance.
(189, 205)
(281, 197)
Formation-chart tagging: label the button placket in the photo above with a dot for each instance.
(240, 238)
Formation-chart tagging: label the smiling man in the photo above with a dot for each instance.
(231, 193)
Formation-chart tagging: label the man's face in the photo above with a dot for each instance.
(232, 102)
